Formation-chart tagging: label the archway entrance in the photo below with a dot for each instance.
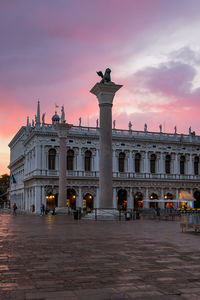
(71, 198)
(138, 200)
(168, 203)
(122, 199)
(154, 203)
(51, 201)
(197, 198)
(88, 202)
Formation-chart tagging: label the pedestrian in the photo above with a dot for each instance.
(42, 210)
(158, 213)
(14, 209)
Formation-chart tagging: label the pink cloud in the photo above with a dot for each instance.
(52, 52)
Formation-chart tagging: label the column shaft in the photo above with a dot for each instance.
(105, 159)
(62, 173)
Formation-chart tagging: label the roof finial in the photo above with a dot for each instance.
(37, 119)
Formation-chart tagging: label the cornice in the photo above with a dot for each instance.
(18, 135)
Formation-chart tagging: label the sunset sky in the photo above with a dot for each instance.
(51, 50)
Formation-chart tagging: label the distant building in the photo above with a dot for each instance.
(150, 169)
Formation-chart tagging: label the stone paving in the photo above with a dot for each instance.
(56, 257)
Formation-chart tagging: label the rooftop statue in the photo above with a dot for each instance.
(106, 77)
(62, 115)
(43, 118)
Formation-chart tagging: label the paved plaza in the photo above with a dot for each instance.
(56, 257)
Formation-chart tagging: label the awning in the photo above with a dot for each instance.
(186, 196)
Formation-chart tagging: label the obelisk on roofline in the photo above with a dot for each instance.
(105, 92)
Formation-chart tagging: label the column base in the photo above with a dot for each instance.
(103, 214)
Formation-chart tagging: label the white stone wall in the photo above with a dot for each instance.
(33, 165)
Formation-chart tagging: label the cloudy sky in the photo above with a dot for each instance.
(51, 50)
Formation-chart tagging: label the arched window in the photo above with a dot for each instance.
(168, 164)
(196, 165)
(70, 160)
(121, 161)
(52, 159)
(88, 156)
(153, 163)
(182, 165)
(137, 162)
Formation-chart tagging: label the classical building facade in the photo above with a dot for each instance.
(149, 168)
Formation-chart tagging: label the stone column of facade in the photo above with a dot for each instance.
(162, 203)
(62, 130)
(146, 203)
(79, 160)
(146, 163)
(177, 197)
(79, 200)
(38, 196)
(130, 199)
(190, 165)
(130, 162)
(105, 94)
(97, 161)
(176, 164)
(97, 198)
(114, 161)
(43, 201)
(114, 198)
(161, 162)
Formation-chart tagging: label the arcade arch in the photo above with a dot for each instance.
(122, 199)
(71, 198)
(168, 203)
(138, 200)
(51, 200)
(154, 203)
(197, 198)
(88, 202)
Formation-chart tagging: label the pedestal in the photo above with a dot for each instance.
(105, 94)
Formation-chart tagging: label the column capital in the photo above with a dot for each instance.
(63, 129)
(105, 92)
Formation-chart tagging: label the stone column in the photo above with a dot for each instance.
(105, 94)
(162, 203)
(115, 161)
(130, 162)
(62, 130)
(177, 197)
(79, 199)
(146, 203)
(130, 202)
(114, 198)
(190, 166)
(96, 168)
(146, 163)
(176, 169)
(96, 204)
(79, 160)
(37, 200)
